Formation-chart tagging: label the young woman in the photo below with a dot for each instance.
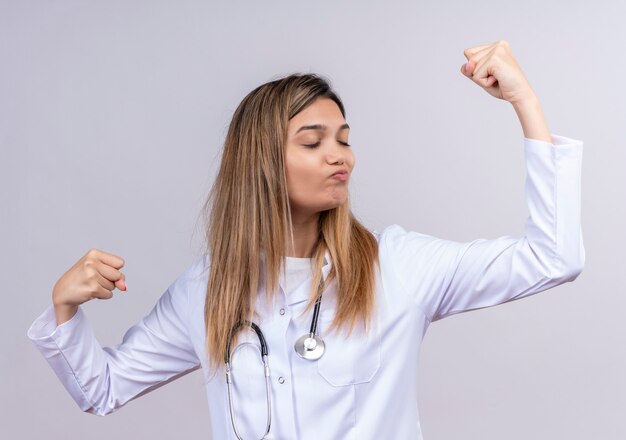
(307, 325)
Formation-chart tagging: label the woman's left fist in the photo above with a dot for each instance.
(494, 68)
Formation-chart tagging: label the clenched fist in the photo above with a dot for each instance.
(494, 68)
(95, 275)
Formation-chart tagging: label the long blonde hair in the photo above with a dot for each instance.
(248, 214)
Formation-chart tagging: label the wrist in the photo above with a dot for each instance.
(529, 102)
(64, 312)
(532, 119)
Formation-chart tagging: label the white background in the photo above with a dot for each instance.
(112, 115)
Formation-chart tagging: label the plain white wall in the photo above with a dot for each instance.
(112, 115)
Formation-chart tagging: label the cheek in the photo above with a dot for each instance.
(300, 176)
(303, 184)
(308, 186)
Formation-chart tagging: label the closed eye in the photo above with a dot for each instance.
(317, 144)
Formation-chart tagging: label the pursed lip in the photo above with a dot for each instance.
(342, 172)
(340, 175)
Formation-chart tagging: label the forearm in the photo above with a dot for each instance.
(531, 117)
(103, 379)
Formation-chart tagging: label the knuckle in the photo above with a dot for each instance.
(89, 269)
(101, 293)
(91, 275)
(500, 50)
(93, 285)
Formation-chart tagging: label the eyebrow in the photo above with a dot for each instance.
(320, 127)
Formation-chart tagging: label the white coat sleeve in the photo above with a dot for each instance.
(153, 352)
(446, 277)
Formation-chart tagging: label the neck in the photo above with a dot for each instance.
(305, 235)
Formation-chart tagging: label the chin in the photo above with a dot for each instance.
(333, 205)
(321, 206)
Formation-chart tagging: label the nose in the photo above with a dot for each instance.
(337, 156)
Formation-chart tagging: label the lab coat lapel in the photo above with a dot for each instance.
(303, 291)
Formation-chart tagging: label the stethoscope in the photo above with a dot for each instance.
(309, 346)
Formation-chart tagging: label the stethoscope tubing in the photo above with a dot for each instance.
(302, 349)
(266, 367)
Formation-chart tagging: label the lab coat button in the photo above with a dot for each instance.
(281, 380)
(282, 311)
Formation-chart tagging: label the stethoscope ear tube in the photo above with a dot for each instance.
(316, 314)
(266, 368)
(235, 329)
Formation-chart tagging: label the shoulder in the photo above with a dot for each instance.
(396, 236)
(396, 242)
(193, 278)
(197, 269)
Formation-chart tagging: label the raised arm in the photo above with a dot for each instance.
(153, 352)
(446, 277)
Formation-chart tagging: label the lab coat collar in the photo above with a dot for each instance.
(303, 291)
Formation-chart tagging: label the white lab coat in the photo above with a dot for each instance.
(364, 387)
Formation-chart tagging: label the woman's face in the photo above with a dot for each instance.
(319, 160)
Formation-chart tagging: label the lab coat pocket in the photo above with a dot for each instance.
(348, 360)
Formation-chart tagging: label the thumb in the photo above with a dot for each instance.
(467, 68)
(121, 283)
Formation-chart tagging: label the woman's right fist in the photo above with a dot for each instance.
(95, 275)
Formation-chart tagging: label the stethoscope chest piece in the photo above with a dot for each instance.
(310, 347)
